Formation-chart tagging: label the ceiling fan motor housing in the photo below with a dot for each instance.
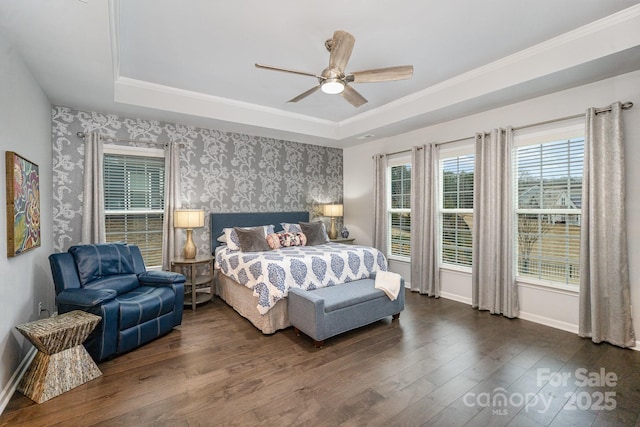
(330, 73)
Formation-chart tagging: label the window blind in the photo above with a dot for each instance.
(549, 202)
(456, 210)
(134, 203)
(400, 211)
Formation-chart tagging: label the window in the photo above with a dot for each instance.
(456, 209)
(548, 188)
(134, 200)
(400, 210)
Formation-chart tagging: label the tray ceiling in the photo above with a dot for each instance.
(192, 62)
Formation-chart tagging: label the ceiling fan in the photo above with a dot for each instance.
(333, 79)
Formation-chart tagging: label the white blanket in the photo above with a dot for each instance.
(389, 283)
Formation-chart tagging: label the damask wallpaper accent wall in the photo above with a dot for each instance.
(221, 171)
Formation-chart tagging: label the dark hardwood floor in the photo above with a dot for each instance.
(442, 363)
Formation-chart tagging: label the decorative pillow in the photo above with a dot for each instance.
(295, 228)
(252, 240)
(273, 240)
(285, 240)
(222, 238)
(231, 237)
(315, 233)
(291, 228)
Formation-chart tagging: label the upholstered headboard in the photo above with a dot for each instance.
(219, 221)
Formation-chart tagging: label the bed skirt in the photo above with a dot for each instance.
(242, 300)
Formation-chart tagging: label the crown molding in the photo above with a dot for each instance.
(151, 95)
(590, 42)
(114, 31)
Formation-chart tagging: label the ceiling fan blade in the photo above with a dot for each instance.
(381, 74)
(304, 94)
(341, 48)
(352, 95)
(287, 70)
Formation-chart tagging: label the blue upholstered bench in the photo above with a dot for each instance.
(326, 312)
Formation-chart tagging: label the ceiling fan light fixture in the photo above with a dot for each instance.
(332, 86)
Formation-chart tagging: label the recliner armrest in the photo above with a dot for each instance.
(85, 298)
(160, 278)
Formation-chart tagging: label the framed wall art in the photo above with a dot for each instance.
(23, 204)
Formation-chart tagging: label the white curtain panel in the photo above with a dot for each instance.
(425, 275)
(171, 243)
(380, 219)
(93, 226)
(605, 307)
(493, 275)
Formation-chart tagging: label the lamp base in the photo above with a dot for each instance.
(190, 250)
(333, 231)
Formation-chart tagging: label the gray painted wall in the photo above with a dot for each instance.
(221, 172)
(25, 127)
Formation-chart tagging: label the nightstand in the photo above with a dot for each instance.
(347, 241)
(199, 286)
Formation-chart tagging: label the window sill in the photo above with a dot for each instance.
(528, 282)
(397, 258)
(456, 268)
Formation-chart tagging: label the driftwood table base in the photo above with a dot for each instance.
(61, 363)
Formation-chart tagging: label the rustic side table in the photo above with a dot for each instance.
(61, 363)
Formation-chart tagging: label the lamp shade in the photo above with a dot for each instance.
(188, 218)
(332, 210)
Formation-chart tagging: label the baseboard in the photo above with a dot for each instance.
(558, 324)
(455, 297)
(553, 323)
(12, 385)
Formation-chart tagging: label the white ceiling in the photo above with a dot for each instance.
(192, 61)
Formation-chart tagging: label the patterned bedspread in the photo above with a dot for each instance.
(271, 274)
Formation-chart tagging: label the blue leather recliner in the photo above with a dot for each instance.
(111, 281)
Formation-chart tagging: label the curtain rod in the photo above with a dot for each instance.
(625, 106)
(82, 135)
(437, 143)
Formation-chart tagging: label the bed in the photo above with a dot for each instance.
(264, 304)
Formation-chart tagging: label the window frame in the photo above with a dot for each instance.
(395, 162)
(129, 151)
(555, 132)
(460, 149)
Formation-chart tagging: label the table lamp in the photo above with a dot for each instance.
(188, 219)
(333, 211)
